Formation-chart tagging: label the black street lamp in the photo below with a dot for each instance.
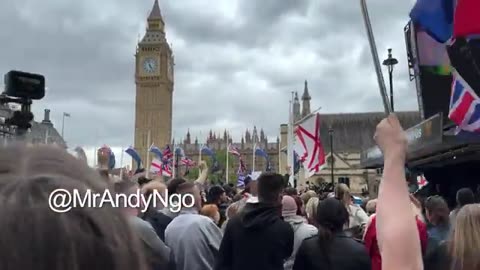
(390, 62)
(332, 160)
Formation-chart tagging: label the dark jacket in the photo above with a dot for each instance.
(222, 208)
(344, 253)
(159, 222)
(438, 258)
(257, 238)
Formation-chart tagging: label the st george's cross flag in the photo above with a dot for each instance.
(310, 148)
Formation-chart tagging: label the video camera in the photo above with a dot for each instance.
(21, 88)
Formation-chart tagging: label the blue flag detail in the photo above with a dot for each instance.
(435, 17)
(207, 151)
(156, 151)
(261, 153)
(179, 152)
(111, 161)
(135, 156)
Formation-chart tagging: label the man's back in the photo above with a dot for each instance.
(194, 240)
(158, 254)
(256, 239)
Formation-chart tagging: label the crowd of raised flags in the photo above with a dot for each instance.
(457, 25)
(165, 160)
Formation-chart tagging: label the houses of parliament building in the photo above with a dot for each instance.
(248, 141)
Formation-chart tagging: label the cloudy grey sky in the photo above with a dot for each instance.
(236, 60)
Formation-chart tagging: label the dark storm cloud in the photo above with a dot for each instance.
(236, 61)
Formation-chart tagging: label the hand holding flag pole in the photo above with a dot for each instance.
(376, 61)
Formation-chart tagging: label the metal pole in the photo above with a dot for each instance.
(376, 61)
(226, 169)
(332, 165)
(176, 166)
(390, 77)
(63, 124)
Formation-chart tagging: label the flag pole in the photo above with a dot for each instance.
(174, 161)
(376, 61)
(307, 116)
(279, 159)
(94, 157)
(253, 164)
(147, 165)
(228, 147)
(121, 164)
(290, 142)
(200, 146)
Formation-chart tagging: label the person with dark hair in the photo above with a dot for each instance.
(193, 238)
(172, 187)
(436, 210)
(464, 196)
(217, 195)
(291, 191)
(34, 236)
(331, 248)
(157, 253)
(250, 187)
(229, 190)
(143, 180)
(257, 237)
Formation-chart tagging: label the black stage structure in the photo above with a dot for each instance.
(448, 161)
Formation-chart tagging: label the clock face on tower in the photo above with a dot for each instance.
(150, 65)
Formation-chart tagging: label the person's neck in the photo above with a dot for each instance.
(131, 212)
(189, 210)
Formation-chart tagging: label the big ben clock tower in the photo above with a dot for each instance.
(154, 86)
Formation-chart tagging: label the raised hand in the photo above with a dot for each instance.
(391, 137)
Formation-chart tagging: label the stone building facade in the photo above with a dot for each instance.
(154, 79)
(351, 134)
(42, 132)
(219, 143)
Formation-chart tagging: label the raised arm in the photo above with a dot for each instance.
(396, 228)
(203, 173)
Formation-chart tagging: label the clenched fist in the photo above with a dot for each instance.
(391, 138)
(202, 165)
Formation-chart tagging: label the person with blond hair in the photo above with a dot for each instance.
(460, 251)
(211, 211)
(357, 216)
(154, 213)
(311, 210)
(371, 207)
(34, 236)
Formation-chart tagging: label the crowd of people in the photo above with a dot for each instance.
(264, 225)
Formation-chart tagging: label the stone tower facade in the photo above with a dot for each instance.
(296, 109)
(306, 101)
(154, 79)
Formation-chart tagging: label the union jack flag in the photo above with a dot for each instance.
(233, 150)
(464, 105)
(187, 162)
(167, 170)
(167, 154)
(242, 169)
